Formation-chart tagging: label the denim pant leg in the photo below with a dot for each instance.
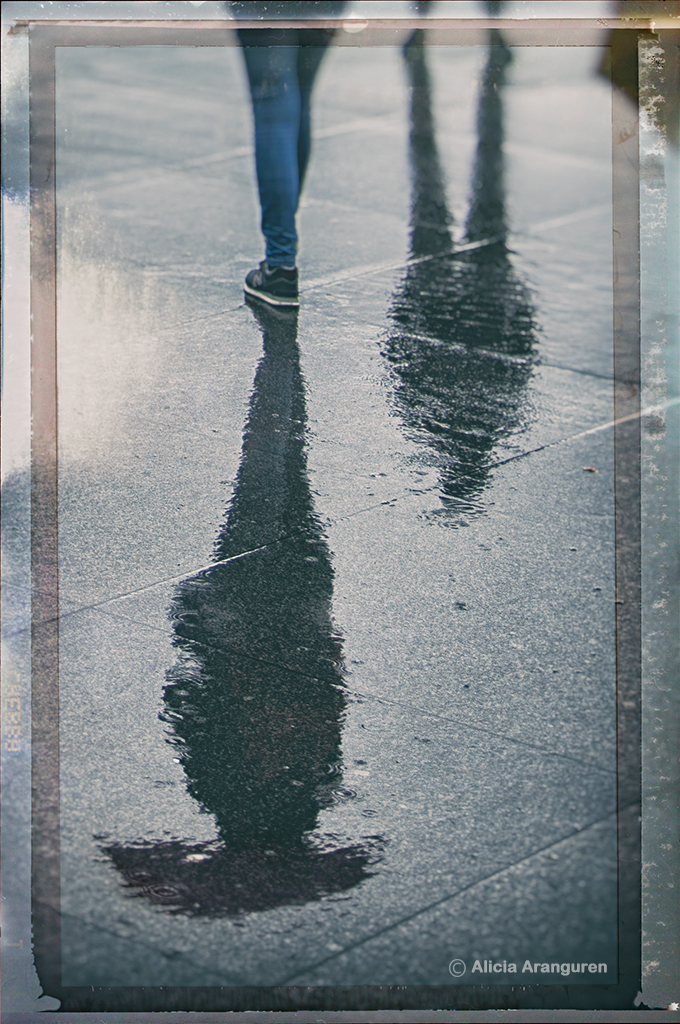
(275, 90)
(309, 60)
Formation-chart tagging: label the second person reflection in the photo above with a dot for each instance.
(255, 701)
(462, 332)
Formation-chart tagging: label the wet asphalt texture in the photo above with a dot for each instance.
(337, 664)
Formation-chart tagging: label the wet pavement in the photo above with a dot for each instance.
(337, 665)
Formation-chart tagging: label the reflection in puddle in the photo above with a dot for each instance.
(210, 880)
(256, 699)
(462, 333)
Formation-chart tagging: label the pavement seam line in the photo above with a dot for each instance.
(137, 175)
(374, 268)
(532, 451)
(238, 655)
(195, 571)
(365, 270)
(577, 369)
(479, 728)
(390, 501)
(158, 583)
(503, 356)
(593, 430)
(204, 568)
(412, 709)
(444, 899)
(461, 348)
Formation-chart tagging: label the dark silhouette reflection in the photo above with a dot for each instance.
(462, 327)
(256, 700)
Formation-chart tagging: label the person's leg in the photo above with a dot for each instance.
(308, 62)
(273, 77)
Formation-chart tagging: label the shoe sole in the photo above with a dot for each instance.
(273, 300)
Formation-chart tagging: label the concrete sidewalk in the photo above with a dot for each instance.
(423, 629)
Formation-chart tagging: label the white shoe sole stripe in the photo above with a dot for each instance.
(271, 299)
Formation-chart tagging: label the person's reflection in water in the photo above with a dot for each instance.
(462, 330)
(256, 700)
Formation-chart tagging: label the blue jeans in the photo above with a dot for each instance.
(281, 65)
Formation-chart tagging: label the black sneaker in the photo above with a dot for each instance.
(277, 286)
